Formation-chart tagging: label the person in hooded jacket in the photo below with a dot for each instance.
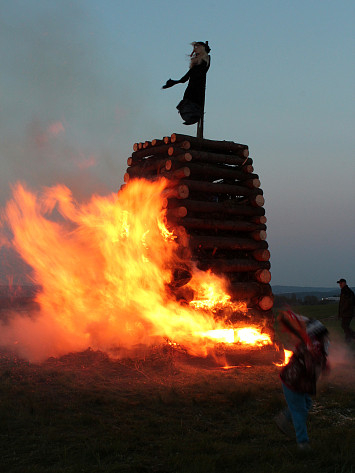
(299, 377)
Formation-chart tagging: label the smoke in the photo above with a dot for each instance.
(65, 100)
(340, 355)
(342, 366)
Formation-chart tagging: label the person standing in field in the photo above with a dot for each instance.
(299, 377)
(346, 309)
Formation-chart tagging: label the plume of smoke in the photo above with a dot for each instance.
(342, 363)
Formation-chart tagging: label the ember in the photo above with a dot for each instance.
(105, 267)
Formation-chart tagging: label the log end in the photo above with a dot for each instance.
(183, 191)
(266, 302)
(168, 165)
(261, 255)
(178, 212)
(257, 201)
(259, 235)
(263, 276)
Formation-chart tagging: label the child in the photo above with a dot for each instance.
(300, 375)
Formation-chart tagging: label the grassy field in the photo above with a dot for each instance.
(87, 413)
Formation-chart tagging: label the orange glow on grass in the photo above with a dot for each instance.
(104, 268)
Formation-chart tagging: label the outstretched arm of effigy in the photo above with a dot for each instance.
(171, 82)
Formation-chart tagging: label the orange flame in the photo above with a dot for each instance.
(287, 357)
(104, 267)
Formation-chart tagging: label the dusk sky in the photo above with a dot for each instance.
(81, 82)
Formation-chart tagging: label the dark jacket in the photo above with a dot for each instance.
(304, 368)
(191, 107)
(195, 91)
(346, 303)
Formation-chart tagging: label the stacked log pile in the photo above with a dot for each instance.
(215, 196)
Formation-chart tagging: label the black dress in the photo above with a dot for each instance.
(192, 105)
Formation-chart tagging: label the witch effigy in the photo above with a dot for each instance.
(191, 107)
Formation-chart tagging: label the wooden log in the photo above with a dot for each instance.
(240, 291)
(215, 172)
(149, 165)
(259, 219)
(136, 146)
(234, 266)
(251, 183)
(208, 157)
(217, 188)
(212, 145)
(261, 255)
(257, 201)
(179, 192)
(143, 153)
(147, 144)
(248, 169)
(178, 212)
(179, 173)
(176, 150)
(225, 225)
(259, 235)
(178, 160)
(230, 243)
(227, 207)
(266, 302)
(166, 139)
(156, 142)
(263, 276)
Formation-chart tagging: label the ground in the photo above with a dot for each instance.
(161, 413)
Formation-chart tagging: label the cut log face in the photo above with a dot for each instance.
(215, 208)
(261, 255)
(266, 302)
(263, 275)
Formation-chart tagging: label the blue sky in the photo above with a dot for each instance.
(81, 82)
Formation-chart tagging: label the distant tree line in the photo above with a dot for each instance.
(294, 299)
